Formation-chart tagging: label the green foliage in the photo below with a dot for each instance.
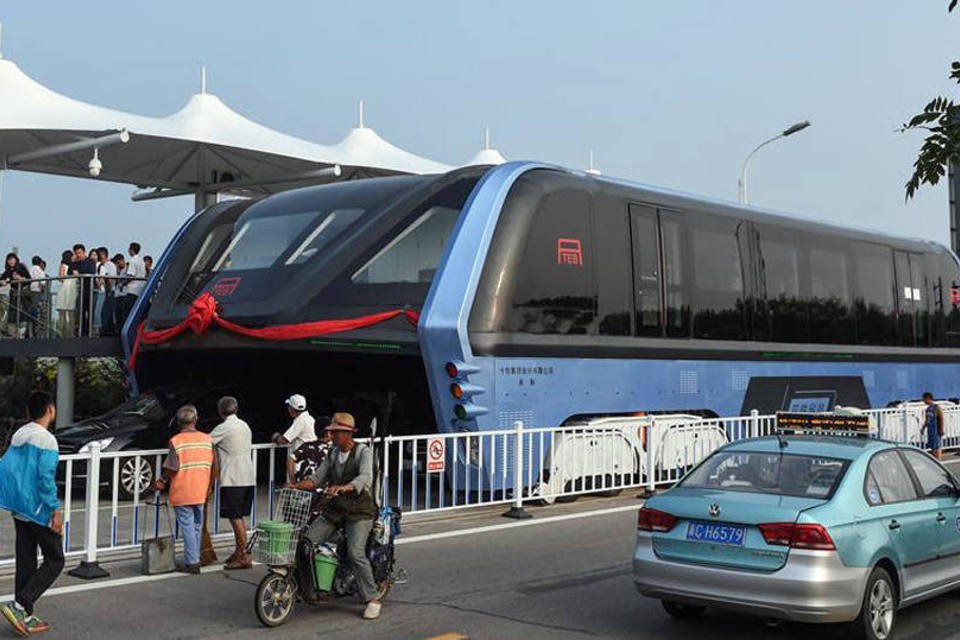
(941, 120)
(99, 385)
(26, 377)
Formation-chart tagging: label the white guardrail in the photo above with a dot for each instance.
(440, 472)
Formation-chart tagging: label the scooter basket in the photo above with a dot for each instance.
(276, 543)
(276, 540)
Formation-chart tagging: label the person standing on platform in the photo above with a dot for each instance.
(189, 471)
(933, 426)
(137, 271)
(233, 443)
(84, 266)
(107, 270)
(28, 489)
(66, 296)
(15, 274)
(37, 289)
(301, 430)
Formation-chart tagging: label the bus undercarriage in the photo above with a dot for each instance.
(390, 388)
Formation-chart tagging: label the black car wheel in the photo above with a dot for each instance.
(683, 611)
(878, 616)
(135, 473)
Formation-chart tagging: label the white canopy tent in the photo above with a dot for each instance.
(487, 154)
(204, 149)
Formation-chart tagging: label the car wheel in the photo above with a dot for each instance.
(878, 615)
(135, 472)
(683, 611)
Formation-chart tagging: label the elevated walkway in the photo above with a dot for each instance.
(61, 318)
(73, 347)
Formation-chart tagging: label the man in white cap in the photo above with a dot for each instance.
(301, 430)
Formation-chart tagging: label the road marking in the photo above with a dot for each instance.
(512, 525)
(120, 582)
(449, 636)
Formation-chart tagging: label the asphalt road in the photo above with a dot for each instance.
(551, 579)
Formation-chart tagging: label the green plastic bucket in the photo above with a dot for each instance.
(275, 536)
(324, 569)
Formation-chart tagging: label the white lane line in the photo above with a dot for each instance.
(512, 525)
(120, 582)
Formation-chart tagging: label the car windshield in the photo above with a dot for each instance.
(771, 473)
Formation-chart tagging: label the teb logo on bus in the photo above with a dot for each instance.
(225, 286)
(569, 252)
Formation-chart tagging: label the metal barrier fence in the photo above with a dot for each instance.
(441, 472)
(66, 307)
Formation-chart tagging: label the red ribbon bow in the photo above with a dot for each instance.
(203, 313)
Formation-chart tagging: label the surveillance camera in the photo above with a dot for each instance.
(95, 165)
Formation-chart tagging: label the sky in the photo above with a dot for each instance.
(673, 94)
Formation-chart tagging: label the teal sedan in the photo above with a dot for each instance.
(812, 528)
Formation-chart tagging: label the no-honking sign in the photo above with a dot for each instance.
(436, 450)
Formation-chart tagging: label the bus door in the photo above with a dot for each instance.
(648, 297)
(911, 298)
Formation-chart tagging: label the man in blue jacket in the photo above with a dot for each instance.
(28, 490)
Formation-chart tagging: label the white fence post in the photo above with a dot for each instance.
(89, 568)
(905, 435)
(651, 456)
(516, 510)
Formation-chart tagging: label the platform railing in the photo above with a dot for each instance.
(76, 306)
(109, 506)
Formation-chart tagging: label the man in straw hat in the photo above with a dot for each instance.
(347, 474)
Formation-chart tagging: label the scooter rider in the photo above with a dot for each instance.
(348, 473)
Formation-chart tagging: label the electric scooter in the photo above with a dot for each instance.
(329, 568)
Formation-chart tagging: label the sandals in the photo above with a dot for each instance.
(241, 562)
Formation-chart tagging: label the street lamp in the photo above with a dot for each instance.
(789, 131)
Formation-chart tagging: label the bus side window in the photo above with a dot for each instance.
(950, 296)
(554, 290)
(612, 241)
(782, 310)
(717, 280)
(831, 313)
(675, 261)
(646, 269)
(874, 299)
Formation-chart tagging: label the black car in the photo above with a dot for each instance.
(147, 422)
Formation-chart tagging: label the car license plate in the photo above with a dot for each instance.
(716, 533)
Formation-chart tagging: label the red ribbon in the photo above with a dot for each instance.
(203, 314)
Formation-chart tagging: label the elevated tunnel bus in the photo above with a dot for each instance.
(549, 296)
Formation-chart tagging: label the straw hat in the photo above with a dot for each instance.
(342, 422)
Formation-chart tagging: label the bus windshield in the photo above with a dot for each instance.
(275, 235)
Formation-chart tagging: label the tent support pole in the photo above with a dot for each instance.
(203, 199)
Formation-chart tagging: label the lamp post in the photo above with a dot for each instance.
(789, 131)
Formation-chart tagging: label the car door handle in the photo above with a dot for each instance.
(941, 517)
(894, 525)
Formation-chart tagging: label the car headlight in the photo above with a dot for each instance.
(104, 443)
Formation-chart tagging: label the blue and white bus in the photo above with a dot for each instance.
(548, 295)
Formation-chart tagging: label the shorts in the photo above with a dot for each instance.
(236, 502)
(934, 441)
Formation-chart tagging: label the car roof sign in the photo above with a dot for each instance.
(795, 423)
